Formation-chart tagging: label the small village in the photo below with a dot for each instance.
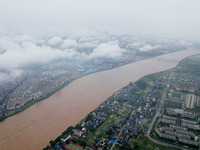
(128, 113)
(178, 122)
(118, 120)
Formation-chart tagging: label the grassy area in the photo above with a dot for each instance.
(148, 78)
(101, 131)
(143, 143)
(176, 95)
(145, 83)
(166, 104)
(111, 120)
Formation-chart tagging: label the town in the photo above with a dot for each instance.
(162, 109)
(39, 81)
(178, 122)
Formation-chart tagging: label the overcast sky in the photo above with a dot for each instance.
(38, 31)
(172, 18)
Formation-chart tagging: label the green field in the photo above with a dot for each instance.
(143, 143)
(73, 147)
(111, 120)
(176, 95)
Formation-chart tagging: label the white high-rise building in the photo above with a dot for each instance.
(190, 101)
(198, 101)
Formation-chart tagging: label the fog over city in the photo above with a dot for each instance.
(42, 31)
(177, 18)
(99, 74)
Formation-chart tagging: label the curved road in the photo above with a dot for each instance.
(154, 119)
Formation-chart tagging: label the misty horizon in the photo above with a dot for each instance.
(36, 32)
(173, 19)
(99, 74)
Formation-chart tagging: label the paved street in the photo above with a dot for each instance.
(161, 104)
(120, 133)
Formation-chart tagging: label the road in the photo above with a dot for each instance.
(174, 100)
(121, 131)
(117, 138)
(162, 101)
(158, 114)
(161, 104)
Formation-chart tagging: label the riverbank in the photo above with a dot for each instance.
(30, 103)
(37, 125)
(106, 121)
(8, 113)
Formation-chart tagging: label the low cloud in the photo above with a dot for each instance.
(20, 51)
(55, 41)
(17, 55)
(89, 45)
(110, 50)
(69, 44)
(185, 42)
(137, 44)
(10, 75)
(148, 47)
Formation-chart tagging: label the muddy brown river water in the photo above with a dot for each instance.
(33, 128)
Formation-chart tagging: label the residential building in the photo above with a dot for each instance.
(190, 101)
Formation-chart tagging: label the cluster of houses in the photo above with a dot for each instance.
(159, 84)
(185, 84)
(105, 142)
(113, 134)
(130, 127)
(93, 121)
(190, 89)
(109, 106)
(125, 129)
(116, 130)
(178, 127)
(31, 89)
(74, 134)
(124, 94)
(33, 85)
(134, 125)
(89, 124)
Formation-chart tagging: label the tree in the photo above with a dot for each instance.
(142, 85)
(52, 143)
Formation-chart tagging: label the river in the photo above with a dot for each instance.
(33, 128)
